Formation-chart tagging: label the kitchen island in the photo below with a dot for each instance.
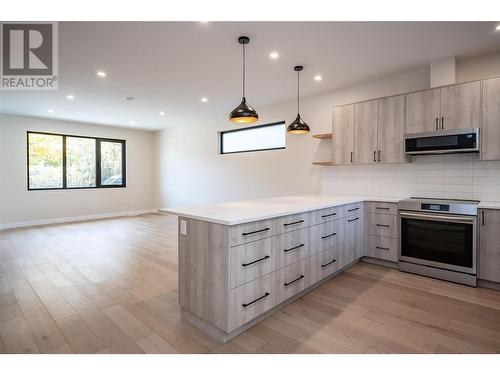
(241, 261)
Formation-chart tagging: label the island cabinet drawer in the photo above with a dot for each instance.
(292, 222)
(382, 208)
(327, 214)
(383, 248)
(324, 264)
(326, 235)
(291, 280)
(250, 300)
(383, 225)
(252, 260)
(292, 247)
(249, 232)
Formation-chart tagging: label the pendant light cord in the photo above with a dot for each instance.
(298, 92)
(243, 70)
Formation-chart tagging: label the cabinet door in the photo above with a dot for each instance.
(460, 106)
(343, 134)
(489, 250)
(390, 129)
(490, 130)
(365, 133)
(422, 111)
(354, 238)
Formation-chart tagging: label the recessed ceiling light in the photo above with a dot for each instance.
(70, 97)
(274, 55)
(129, 98)
(132, 122)
(101, 74)
(318, 78)
(162, 113)
(204, 100)
(497, 28)
(50, 111)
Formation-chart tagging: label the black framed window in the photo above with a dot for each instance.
(256, 138)
(60, 161)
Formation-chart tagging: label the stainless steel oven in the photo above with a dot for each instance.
(439, 239)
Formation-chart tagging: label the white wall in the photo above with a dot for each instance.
(17, 205)
(190, 170)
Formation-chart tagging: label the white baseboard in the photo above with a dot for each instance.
(22, 224)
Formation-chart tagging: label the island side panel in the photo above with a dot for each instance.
(203, 271)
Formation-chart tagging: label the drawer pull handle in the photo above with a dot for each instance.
(353, 209)
(255, 232)
(293, 248)
(382, 248)
(323, 216)
(383, 225)
(294, 281)
(327, 264)
(255, 261)
(382, 208)
(327, 236)
(255, 300)
(351, 220)
(294, 223)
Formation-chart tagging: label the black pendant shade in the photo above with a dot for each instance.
(243, 113)
(298, 126)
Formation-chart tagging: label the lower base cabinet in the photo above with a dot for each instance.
(292, 280)
(324, 264)
(489, 245)
(384, 248)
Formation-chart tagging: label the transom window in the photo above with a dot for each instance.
(255, 138)
(59, 161)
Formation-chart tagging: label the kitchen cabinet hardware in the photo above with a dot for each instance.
(382, 248)
(256, 300)
(351, 156)
(328, 236)
(353, 209)
(379, 155)
(327, 264)
(374, 156)
(382, 208)
(437, 123)
(294, 223)
(294, 281)
(255, 261)
(482, 218)
(294, 248)
(351, 220)
(383, 225)
(442, 123)
(256, 231)
(328, 215)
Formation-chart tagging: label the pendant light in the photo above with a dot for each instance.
(298, 126)
(243, 113)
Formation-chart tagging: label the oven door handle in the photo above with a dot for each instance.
(437, 217)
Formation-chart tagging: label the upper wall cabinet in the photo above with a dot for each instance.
(390, 129)
(422, 111)
(490, 130)
(460, 106)
(365, 132)
(343, 134)
(450, 107)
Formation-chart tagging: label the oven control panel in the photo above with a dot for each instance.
(435, 207)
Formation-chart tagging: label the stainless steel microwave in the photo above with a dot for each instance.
(443, 142)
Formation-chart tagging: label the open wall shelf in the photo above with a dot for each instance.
(323, 136)
(323, 163)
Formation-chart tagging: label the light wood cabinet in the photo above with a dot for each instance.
(489, 245)
(423, 111)
(343, 134)
(460, 106)
(449, 107)
(354, 237)
(391, 129)
(382, 231)
(365, 132)
(490, 130)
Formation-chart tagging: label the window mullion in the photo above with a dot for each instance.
(98, 162)
(65, 185)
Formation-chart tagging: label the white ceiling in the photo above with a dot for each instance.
(169, 66)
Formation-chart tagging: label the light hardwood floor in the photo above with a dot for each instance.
(110, 286)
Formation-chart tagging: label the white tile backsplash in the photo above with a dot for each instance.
(441, 176)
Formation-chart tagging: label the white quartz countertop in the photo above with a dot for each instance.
(231, 213)
(489, 204)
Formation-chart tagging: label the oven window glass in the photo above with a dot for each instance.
(437, 241)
